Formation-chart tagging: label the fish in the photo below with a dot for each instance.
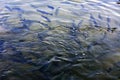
(33, 6)
(57, 11)
(113, 29)
(100, 17)
(44, 12)
(2, 42)
(108, 19)
(42, 35)
(15, 8)
(19, 56)
(51, 7)
(12, 54)
(93, 44)
(26, 23)
(104, 36)
(82, 6)
(18, 9)
(108, 23)
(85, 34)
(80, 23)
(18, 30)
(45, 25)
(69, 3)
(1, 45)
(4, 18)
(7, 7)
(94, 21)
(47, 19)
(73, 32)
(64, 59)
(18, 59)
(78, 42)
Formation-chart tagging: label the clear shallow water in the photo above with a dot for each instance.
(79, 37)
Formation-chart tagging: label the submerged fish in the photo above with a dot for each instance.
(44, 12)
(51, 7)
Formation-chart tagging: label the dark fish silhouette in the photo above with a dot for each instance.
(46, 18)
(44, 12)
(51, 7)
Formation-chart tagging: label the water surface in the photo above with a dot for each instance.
(59, 40)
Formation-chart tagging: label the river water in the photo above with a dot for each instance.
(59, 40)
